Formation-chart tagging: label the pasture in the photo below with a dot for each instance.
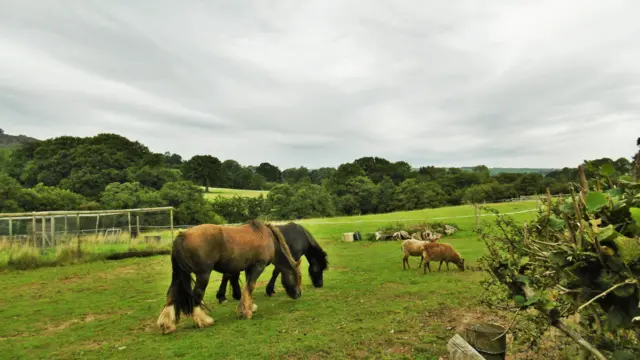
(368, 308)
(215, 192)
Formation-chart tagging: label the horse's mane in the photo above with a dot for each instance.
(255, 224)
(283, 244)
(319, 254)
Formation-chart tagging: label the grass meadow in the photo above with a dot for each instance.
(368, 308)
(222, 192)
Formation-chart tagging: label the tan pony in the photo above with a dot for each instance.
(226, 249)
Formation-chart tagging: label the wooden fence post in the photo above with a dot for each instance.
(53, 231)
(78, 233)
(44, 230)
(97, 223)
(33, 229)
(138, 225)
(171, 220)
(65, 226)
(129, 219)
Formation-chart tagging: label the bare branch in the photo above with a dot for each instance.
(629, 281)
(578, 339)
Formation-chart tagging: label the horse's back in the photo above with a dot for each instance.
(229, 248)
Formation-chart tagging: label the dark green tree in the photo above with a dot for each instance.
(204, 170)
(270, 172)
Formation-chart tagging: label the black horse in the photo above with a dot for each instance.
(300, 242)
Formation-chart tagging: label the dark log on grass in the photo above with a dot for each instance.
(137, 253)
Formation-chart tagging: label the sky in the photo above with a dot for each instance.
(322, 82)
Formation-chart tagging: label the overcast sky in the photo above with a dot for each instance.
(319, 83)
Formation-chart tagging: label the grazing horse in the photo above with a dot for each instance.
(300, 242)
(226, 249)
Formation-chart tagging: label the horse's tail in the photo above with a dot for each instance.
(180, 291)
(316, 250)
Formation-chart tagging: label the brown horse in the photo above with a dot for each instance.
(226, 249)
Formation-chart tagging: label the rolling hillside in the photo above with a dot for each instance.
(12, 141)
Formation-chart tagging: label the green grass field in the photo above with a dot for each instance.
(215, 192)
(368, 308)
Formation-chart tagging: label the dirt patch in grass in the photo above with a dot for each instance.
(339, 268)
(54, 328)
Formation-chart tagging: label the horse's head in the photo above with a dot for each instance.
(315, 272)
(292, 280)
(317, 265)
(460, 264)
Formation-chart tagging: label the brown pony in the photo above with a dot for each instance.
(226, 249)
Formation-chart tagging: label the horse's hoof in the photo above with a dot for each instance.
(222, 301)
(167, 321)
(254, 308)
(245, 315)
(167, 329)
(201, 318)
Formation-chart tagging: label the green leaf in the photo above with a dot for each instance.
(595, 200)
(532, 300)
(548, 305)
(559, 258)
(614, 192)
(635, 215)
(617, 318)
(627, 179)
(555, 223)
(523, 279)
(519, 300)
(606, 233)
(623, 355)
(625, 290)
(523, 261)
(607, 169)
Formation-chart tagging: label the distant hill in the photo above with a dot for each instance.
(495, 171)
(12, 141)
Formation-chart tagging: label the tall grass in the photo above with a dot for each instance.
(15, 256)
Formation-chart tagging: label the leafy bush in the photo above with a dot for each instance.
(189, 202)
(580, 256)
(238, 209)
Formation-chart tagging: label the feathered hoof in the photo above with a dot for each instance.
(167, 320)
(245, 314)
(201, 318)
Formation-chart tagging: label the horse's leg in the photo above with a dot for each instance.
(421, 260)
(405, 260)
(447, 265)
(221, 295)
(426, 265)
(441, 261)
(272, 282)
(235, 286)
(199, 316)
(247, 307)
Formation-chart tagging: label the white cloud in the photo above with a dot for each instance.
(315, 83)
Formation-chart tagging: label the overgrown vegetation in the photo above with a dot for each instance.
(579, 257)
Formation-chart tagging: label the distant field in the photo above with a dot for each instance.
(215, 192)
(496, 171)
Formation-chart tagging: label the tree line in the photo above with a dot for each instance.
(108, 171)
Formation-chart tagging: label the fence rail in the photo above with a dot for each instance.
(41, 229)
